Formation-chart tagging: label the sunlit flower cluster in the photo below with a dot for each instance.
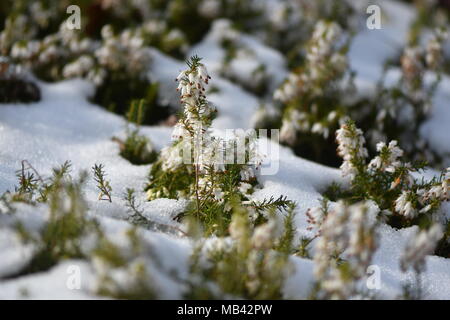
(323, 71)
(423, 243)
(388, 158)
(351, 149)
(350, 231)
(389, 179)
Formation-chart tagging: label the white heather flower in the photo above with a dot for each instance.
(171, 156)
(317, 128)
(434, 50)
(288, 132)
(435, 194)
(404, 206)
(412, 66)
(203, 73)
(247, 173)
(179, 132)
(107, 32)
(423, 243)
(292, 87)
(218, 194)
(387, 160)
(263, 235)
(350, 148)
(79, 67)
(209, 8)
(332, 116)
(426, 209)
(244, 187)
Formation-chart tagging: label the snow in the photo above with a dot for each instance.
(64, 125)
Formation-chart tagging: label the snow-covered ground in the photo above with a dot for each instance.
(64, 125)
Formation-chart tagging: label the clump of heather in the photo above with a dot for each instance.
(64, 232)
(16, 85)
(421, 244)
(318, 96)
(312, 97)
(237, 52)
(400, 109)
(136, 147)
(389, 181)
(194, 167)
(124, 266)
(344, 249)
(253, 263)
(114, 58)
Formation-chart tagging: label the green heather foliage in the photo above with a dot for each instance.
(62, 235)
(102, 184)
(136, 148)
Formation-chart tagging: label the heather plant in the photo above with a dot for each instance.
(103, 185)
(313, 97)
(252, 263)
(32, 187)
(65, 230)
(118, 66)
(422, 243)
(23, 22)
(62, 236)
(122, 263)
(116, 63)
(399, 110)
(126, 265)
(236, 51)
(287, 24)
(429, 16)
(136, 147)
(16, 85)
(123, 267)
(347, 241)
(180, 14)
(194, 166)
(47, 56)
(389, 182)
